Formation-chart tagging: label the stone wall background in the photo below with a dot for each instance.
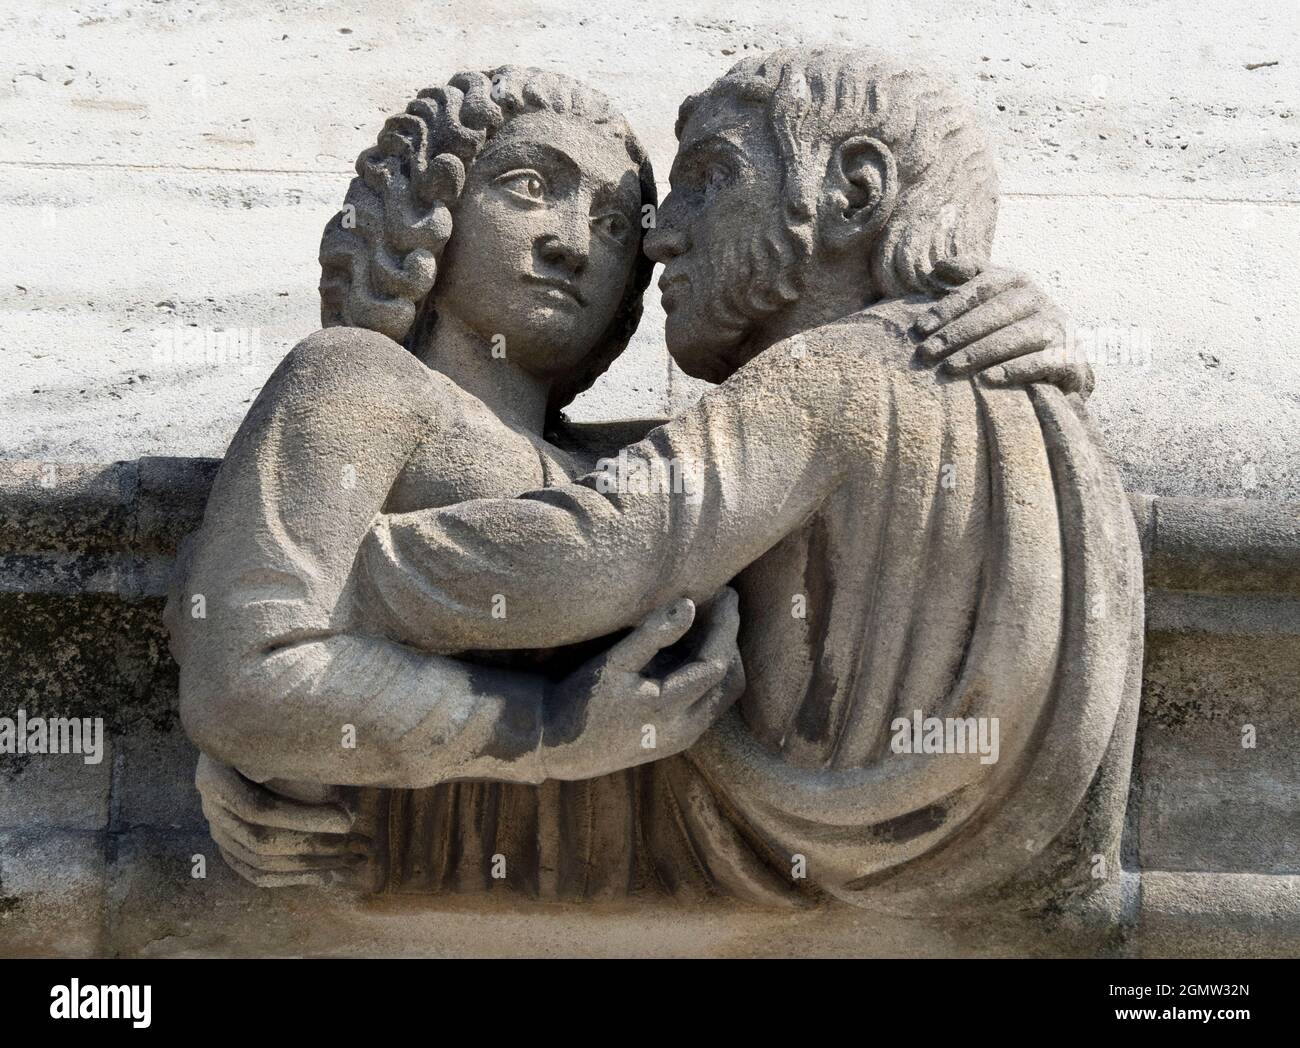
(165, 165)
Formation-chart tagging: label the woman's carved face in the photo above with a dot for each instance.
(544, 237)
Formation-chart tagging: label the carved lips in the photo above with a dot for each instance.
(563, 290)
(671, 287)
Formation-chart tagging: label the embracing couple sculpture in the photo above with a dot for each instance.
(441, 648)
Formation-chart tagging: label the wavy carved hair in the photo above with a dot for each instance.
(948, 186)
(379, 255)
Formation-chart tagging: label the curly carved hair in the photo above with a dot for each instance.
(379, 255)
(948, 185)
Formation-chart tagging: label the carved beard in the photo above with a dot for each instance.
(752, 278)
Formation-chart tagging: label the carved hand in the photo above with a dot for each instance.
(275, 841)
(1002, 324)
(625, 708)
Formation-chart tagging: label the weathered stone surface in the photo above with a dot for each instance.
(943, 530)
(51, 893)
(93, 655)
(55, 791)
(1179, 822)
(155, 782)
(1147, 158)
(1217, 767)
(1224, 547)
(1210, 828)
(157, 910)
(1219, 915)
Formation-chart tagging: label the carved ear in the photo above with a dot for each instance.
(860, 191)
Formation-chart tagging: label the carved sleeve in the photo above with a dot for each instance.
(278, 676)
(679, 513)
(353, 710)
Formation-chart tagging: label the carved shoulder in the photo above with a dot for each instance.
(319, 451)
(354, 366)
(883, 332)
(343, 387)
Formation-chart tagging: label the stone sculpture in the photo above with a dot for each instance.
(412, 671)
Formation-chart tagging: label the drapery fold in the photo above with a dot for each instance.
(1054, 640)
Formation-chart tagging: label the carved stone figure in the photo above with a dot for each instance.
(417, 579)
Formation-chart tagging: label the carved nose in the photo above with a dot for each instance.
(564, 253)
(665, 242)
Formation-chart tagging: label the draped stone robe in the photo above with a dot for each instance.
(901, 541)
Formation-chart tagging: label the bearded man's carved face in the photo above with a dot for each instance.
(722, 236)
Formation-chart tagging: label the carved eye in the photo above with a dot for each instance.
(715, 177)
(527, 184)
(613, 225)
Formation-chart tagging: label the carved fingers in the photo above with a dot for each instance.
(981, 290)
(256, 804)
(1001, 320)
(695, 695)
(275, 841)
(959, 269)
(722, 617)
(684, 687)
(1043, 367)
(1028, 334)
(659, 630)
(266, 879)
(638, 704)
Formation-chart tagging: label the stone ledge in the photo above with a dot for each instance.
(1223, 546)
(1218, 915)
(144, 902)
(117, 526)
